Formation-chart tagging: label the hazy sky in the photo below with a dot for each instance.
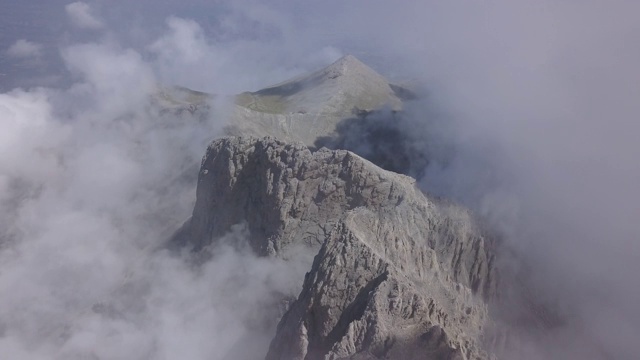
(539, 99)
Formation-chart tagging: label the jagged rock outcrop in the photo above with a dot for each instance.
(377, 289)
(397, 275)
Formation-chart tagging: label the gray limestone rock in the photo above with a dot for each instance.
(397, 275)
(311, 106)
(377, 290)
(305, 108)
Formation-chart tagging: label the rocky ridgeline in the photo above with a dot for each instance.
(397, 275)
(311, 106)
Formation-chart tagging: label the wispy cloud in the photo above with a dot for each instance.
(539, 101)
(80, 14)
(94, 178)
(25, 49)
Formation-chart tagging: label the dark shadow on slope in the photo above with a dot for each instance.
(294, 86)
(282, 90)
(403, 93)
(386, 138)
(353, 312)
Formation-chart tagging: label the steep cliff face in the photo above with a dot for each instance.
(396, 274)
(378, 290)
(285, 192)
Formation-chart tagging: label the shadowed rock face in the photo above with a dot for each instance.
(346, 105)
(374, 292)
(396, 275)
(386, 139)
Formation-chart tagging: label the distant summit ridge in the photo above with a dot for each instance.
(347, 61)
(359, 85)
(347, 65)
(348, 68)
(305, 108)
(310, 106)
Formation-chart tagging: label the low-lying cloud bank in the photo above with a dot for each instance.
(538, 102)
(94, 178)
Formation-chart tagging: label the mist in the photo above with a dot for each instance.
(94, 179)
(535, 105)
(528, 114)
(539, 103)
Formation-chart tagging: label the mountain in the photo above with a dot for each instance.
(337, 89)
(311, 106)
(179, 99)
(396, 274)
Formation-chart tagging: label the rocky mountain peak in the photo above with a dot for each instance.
(347, 61)
(350, 66)
(311, 106)
(396, 273)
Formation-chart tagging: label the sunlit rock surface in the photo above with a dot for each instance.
(396, 274)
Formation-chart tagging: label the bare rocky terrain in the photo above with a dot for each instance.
(311, 106)
(396, 275)
(396, 272)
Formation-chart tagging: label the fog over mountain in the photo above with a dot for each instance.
(524, 112)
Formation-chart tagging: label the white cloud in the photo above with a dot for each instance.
(28, 135)
(184, 41)
(541, 96)
(81, 16)
(184, 55)
(93, 180)
(25, 49)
